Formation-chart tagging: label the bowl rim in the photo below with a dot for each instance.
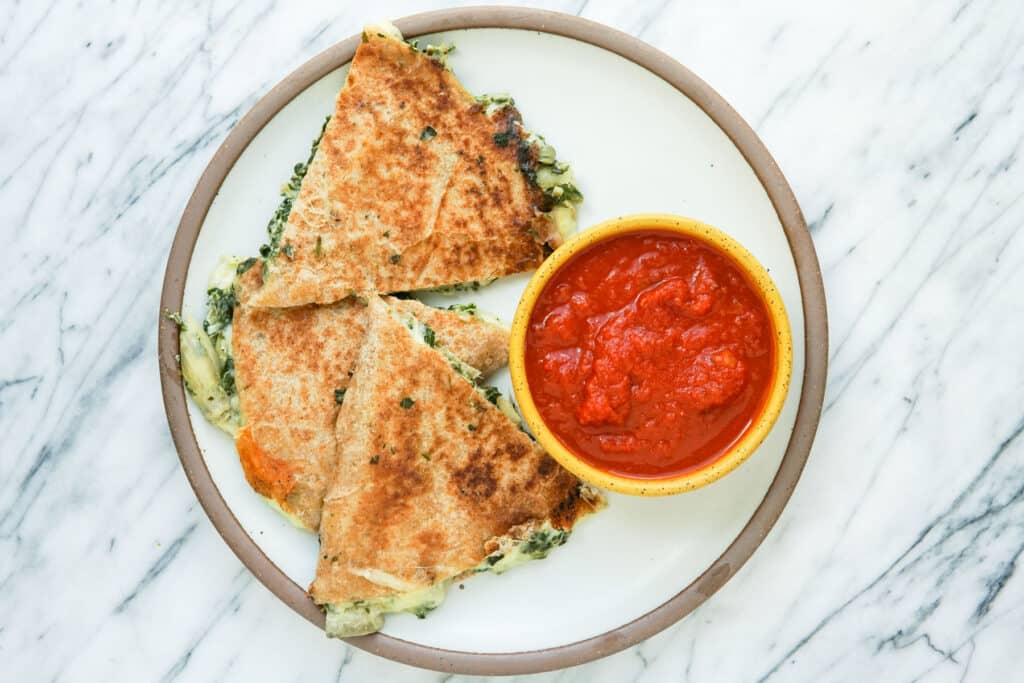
(813, 380)
(750, 439)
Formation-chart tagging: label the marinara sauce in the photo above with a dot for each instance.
(649, 354)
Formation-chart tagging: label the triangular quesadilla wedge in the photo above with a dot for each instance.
(414, 184)
(275, 379)
(292, 370)
(433, 484)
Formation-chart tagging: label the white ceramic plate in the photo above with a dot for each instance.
(637, 144)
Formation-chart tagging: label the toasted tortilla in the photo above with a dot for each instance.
(289, 364)
(413, 185)
(433, 483)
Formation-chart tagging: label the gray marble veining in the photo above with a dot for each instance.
(899, 126)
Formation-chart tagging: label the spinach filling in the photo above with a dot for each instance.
(536, 546)
(366, 616)
(491, 394)
(207, 366)
(289, 193)
(245, 265)
(542, 541)
(227, 376)
(467, 309)
(460, 287)
(473, 311)
(537, 161)
(429, 336)
(220, 310)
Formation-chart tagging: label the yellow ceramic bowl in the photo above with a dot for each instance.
(750, 439)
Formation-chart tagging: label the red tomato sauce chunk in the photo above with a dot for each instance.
(650, 354)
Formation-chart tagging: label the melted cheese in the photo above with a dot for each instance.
(204, 356)
(360, 617)
(200, 369)
(294, 520)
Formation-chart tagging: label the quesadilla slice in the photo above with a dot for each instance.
(433, 484)
(290, 369)
(414, 184)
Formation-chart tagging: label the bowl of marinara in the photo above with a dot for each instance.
(651, 354)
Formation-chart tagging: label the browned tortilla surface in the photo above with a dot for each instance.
(429, 473)
(409, 189)
(288, 364)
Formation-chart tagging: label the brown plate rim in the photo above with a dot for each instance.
(815, 327)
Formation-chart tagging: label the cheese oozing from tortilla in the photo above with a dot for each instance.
(361, 617)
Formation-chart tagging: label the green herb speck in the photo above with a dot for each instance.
(406, 402)
(318, 249)
(425, 456)
(428, 134)
(395, 258)
(471, 427)
(374, 460)
(339, 396)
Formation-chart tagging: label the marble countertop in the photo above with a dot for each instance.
(899, 125)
